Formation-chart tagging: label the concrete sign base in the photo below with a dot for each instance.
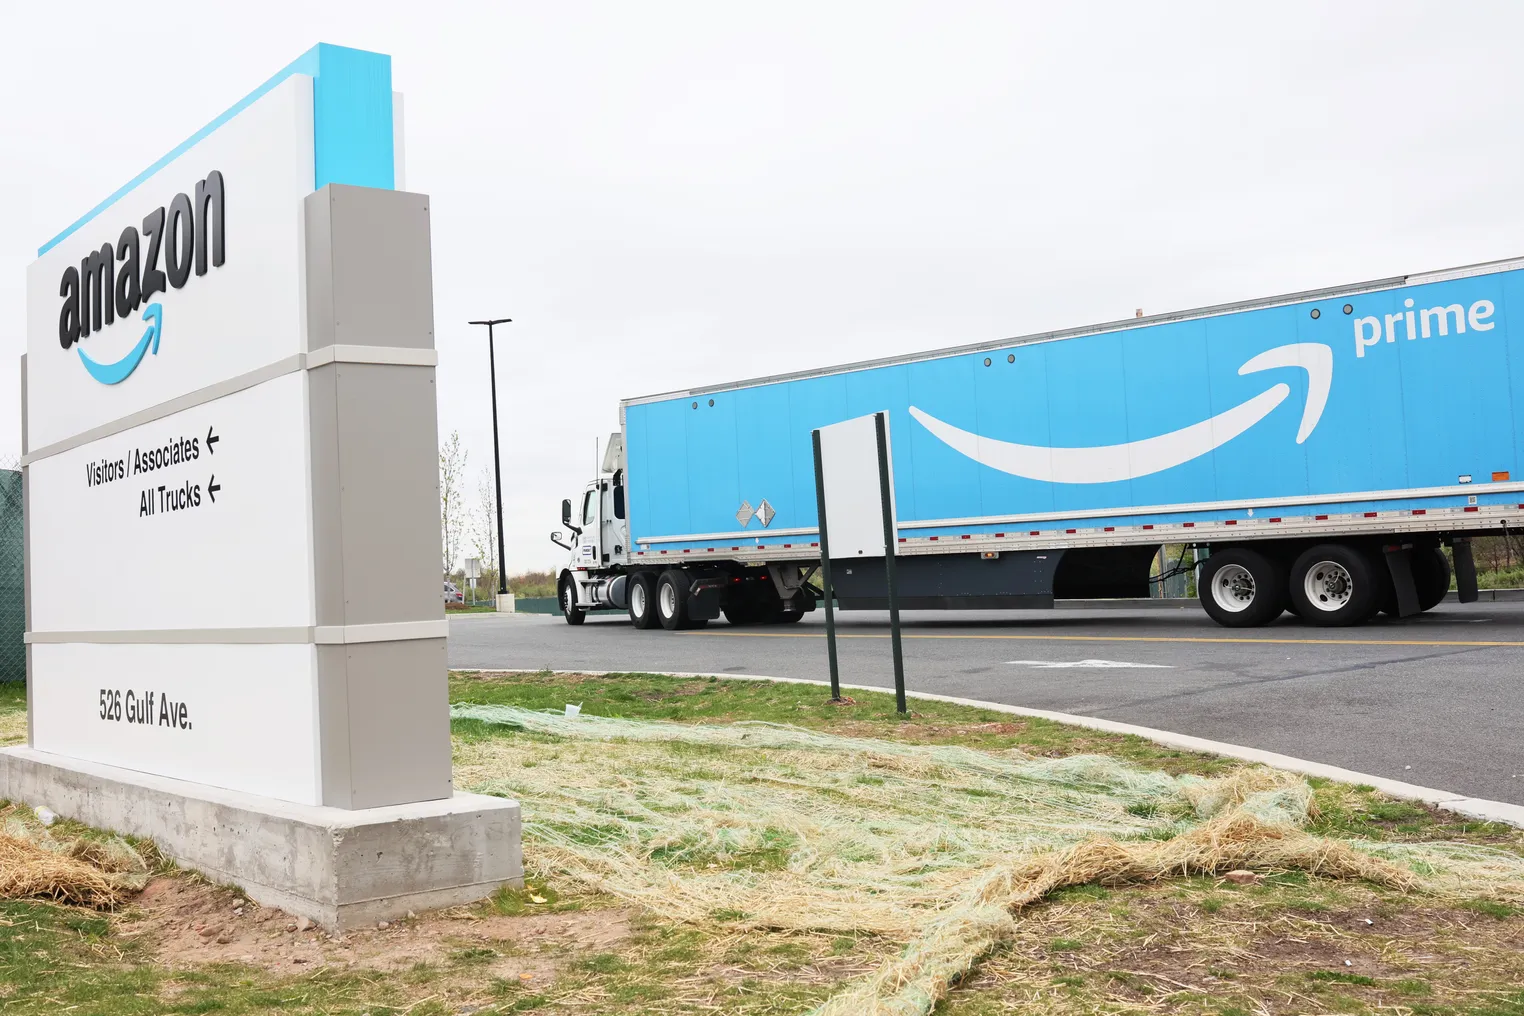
(343, 868)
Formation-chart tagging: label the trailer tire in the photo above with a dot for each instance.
(1335, 584)
(1431, 574)
(742, 612)
(672, 600)
(568, 596)
(1242, 588)
(642, 594)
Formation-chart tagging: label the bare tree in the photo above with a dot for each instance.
(452, 506)
(484, 522)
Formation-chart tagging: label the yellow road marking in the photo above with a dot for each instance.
(1115, 638)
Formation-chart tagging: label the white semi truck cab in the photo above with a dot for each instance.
(601, 573)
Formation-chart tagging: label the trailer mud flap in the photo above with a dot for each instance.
(1399, 562)
(1465, 571)
(704, 604)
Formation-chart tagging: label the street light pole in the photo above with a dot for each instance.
(497, 456)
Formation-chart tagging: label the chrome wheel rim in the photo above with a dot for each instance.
(638, 600)
(668, 600)
(1233, 588)
(1328, 586)
(568, 598)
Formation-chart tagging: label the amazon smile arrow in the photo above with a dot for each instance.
(115, 373)
(1109, 463)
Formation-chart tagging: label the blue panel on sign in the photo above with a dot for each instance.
(352, 118)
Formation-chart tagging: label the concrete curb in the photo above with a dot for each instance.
(1476, 808)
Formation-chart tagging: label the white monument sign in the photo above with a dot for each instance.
(230, 441)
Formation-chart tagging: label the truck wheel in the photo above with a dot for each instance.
(1242, 588)
(642, 594)
(569, 609)
(743, 612)
(1334, 584)
(1431, 574)
(672, 600)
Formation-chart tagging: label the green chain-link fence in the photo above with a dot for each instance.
(12, 579)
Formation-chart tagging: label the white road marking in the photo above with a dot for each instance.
(1086, 665)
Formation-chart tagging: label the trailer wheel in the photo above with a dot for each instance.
(1431, 574)
(740, 612)
(1242, 588)
(1335, 584)
(672, 600)
(642, 594)
(569, 609)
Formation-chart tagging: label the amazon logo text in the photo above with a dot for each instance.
(118, 278)
(1415, 324)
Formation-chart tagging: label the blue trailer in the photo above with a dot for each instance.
(1321, 451)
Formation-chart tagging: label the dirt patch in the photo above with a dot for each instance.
(189, 923)
(1201, 946)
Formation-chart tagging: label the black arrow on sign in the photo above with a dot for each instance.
(213, 487)
(211, 439)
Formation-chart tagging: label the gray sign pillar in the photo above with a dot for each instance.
(374, 442)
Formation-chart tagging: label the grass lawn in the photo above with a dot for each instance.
(1291, 943)
(12, 712)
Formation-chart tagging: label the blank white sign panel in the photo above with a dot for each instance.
(854, 503)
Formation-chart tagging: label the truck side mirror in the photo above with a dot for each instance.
(566, 513)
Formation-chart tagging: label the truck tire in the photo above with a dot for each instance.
(1335, 584)
(1431, 574)
(569, 609)
(672, 600)
(642, 594)
(1242, 588)
(740, 613)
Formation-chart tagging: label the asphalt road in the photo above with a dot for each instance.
(1434, 700)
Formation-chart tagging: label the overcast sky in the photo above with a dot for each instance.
(664, 195)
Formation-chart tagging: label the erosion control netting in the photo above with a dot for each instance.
(934, 846)
(39, 862)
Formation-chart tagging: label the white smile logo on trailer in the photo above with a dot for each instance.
(1109, 463)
